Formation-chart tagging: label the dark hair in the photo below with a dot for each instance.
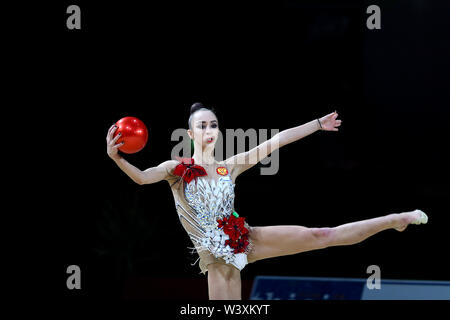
(195, 107)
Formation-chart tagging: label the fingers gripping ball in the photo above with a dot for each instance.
(134, 134)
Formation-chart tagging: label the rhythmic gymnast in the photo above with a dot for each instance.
(203, 190)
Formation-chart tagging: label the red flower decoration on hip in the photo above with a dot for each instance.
(187, 170)
(238, 233)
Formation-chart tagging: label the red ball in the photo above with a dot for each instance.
(134, 133)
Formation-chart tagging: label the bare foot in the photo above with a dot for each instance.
(415, 217)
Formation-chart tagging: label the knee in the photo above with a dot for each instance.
(324, 236)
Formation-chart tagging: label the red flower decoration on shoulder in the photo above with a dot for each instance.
(187, 170)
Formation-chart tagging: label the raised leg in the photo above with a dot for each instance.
(274, 241)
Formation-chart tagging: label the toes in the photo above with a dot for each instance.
(422, 218)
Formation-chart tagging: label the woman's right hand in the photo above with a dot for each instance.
(111, 146)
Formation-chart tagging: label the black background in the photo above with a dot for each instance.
(262, 66)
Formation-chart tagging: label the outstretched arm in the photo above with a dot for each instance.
(326, 123)
(248, 159)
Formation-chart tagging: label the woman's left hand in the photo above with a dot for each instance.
(329, 122)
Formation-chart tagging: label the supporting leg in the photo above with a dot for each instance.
(224, 282)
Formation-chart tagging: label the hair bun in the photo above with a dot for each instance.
(196, 106)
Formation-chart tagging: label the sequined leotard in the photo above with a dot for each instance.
(205, 207)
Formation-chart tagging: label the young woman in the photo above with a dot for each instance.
(203, 190)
